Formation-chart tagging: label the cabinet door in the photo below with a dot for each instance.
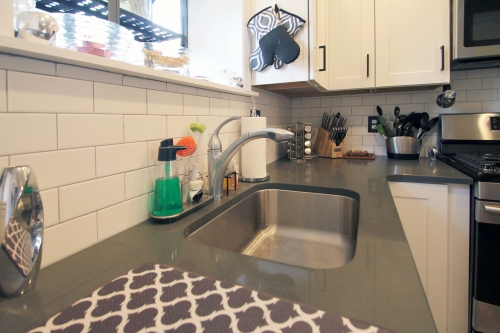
(423, 210)
(318, 37)
(412, 39)
(351, 39)
(298, 70)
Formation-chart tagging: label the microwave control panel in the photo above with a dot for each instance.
(495, 123)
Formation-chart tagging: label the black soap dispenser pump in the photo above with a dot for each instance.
(167, 197)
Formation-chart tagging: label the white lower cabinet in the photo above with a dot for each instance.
(435, 220)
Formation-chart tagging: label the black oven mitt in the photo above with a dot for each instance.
(275, 41)
(292, 23)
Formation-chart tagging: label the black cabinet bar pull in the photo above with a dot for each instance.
(442, 58)
(367, 65)
(324, 58)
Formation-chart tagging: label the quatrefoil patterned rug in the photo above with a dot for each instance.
(159, 298)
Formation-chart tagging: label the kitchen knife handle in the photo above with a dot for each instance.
(324, 58)
(442, 58)
(367, 65)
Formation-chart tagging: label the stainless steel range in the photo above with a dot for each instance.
(471, 144)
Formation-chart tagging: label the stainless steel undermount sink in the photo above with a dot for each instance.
(313, 227)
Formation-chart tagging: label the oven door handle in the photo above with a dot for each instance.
(492, 209)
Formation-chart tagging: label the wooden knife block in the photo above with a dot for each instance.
(326, 148)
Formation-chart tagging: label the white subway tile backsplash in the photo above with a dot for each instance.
(3, 91)
(82, 130)
(178, 126)
(375, 99)
(296, 103)
(353, 140)
(491, 106)
(117, 218)
(367, 110)
(50, 201)
(196, 105)
(165, 103)
(330, 101)
(219, 107)
(27, 133)
(466, 107)
(479, 73)
(137, 82)
(139, 182)
(303, 112)
(4, 162)
(227, 96)
(425, 97)
(22, 64)
(237, 108)
(143, 128)
(318, 112)
(468, 84)
(208, 93)
(211, 122)
(246, 99)
(458, 75)
(87, 74)
(491, 82)
(343, 110)
(58, 168)
(232, 126)
(40, 93)
(311, 103)
(354, 121)
(121, 158)
(399, 99)
(351, 101)
(177, 88)
(482, 95)
(65, 239)
(109, 98)
(153, 152)
(86, 197)
(374, 140)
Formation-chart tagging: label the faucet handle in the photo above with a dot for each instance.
(214, 142)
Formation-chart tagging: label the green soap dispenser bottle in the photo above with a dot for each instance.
(167, 196)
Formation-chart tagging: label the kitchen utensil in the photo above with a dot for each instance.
(381, 120)
(36, 26)
(447, 98)
(403, 148)
(432, 153)
(381, 130)
(359, 154)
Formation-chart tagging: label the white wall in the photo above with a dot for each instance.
(92, 139)
(217, 42)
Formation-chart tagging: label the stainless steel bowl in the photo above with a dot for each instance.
(403, 148)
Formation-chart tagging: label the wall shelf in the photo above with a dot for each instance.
(21, 47)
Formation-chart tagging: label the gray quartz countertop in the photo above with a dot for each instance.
(380, 285)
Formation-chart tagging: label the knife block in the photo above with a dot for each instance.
(321, 140)
(326, 148)
(331, 150)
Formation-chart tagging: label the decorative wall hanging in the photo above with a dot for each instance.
(274, 31)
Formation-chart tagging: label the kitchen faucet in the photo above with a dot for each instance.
(218, 160)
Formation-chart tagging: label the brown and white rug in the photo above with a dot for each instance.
(159, 298)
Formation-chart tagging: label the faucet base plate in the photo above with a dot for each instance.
(254, 180)
(188, 209)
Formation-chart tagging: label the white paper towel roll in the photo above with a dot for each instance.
(253, 154)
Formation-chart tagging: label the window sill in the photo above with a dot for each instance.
(20, 47)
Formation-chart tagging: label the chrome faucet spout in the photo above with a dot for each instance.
(222, 161)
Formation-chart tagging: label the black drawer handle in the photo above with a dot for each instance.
(442, 58)
(367, 65)
(324, 58)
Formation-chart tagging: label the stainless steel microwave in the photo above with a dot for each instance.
(476, 29)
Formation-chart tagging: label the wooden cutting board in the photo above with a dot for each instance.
(359, 155)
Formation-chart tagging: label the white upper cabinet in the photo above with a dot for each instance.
(351, 44)
(412, 42)
(318, 38)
